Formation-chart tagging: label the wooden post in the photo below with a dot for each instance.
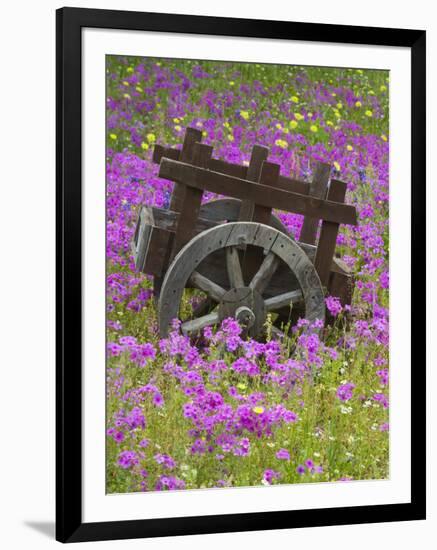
(192, 199)
(318, 190)
(253, 257)
(192, 136)
(328, 235)
(258, 156)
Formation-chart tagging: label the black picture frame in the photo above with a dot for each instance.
(69, 24)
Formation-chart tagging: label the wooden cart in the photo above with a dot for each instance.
(235, 249)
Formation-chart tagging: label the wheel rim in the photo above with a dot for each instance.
(276, 246)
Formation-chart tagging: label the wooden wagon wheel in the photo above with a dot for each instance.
(244, 302)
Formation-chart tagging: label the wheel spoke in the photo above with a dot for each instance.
(235, 273)
(262, 277)
(196, 325)
(213, 290)
(283, 300)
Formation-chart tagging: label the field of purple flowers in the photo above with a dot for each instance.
(238, 412)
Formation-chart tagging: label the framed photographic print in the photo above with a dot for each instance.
(240, 270)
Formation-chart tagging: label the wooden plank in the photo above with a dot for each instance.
(158, 251)
(192, 199)
(196, 325)
(328, 236)
(269, 176)
(290, 184)
(261, 194)
(168, 152)
(236, 170)
(317, 189)
(258, 156)
(192, 136)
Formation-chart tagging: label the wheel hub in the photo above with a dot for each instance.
(247, 306)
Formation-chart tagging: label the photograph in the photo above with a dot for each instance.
(247, 274)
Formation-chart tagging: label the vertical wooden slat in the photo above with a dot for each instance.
(318, 190)
(269, 176)
(253, 257)
(192, 199)
(192, 136)
(328, 235)
(258, 156)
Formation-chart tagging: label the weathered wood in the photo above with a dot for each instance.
(247, 306)
(228, 210)
(192, 199)
(213, 290)
(253, 257)
(269, 177)
(234, 234)
(192, 136)
(233, 265)
(260, 194)
(258, 156)
(236, 170)
(168, 152)
(158, 251)
(317, 189)
(194, 326)
(283, 300)
(141, 237)
(328, 236)
(293, 185)
(262, 277)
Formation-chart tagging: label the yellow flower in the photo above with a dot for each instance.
(113, 136)
(139, 89)
(298, 116)
(349, 147)
(130, 69)
(177, 128)
(334, 94)
(125, 83)
(384, 137)
(383, 88)
(329, 123)
(258, 410)
(313, 128)
(336, 166)
(278, 126)
(158, 64)
(310, 115)
(359, 71)
(295, 99)
(230, 137)
(231, 83)
(281, 143)
(204, 133)
(339, 105)
(358, 104)
(245, 115)
(371, 92)
(241, 386)
(176, 120)
(127, 96)
(293, 124)
(144, 145)
(368, 113)
(226, 124)
(151, 138)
